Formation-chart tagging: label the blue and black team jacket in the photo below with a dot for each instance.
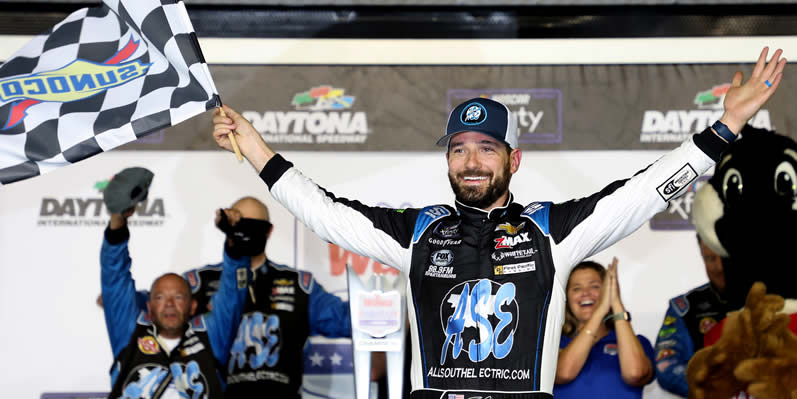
(142, 368)
(283, 307)
(689, 317)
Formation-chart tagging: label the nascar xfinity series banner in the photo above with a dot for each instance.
(404, 108)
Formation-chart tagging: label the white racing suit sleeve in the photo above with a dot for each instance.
(382, 234)
(583, 227)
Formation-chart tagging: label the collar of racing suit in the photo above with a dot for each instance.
(471, 213)
(716, 293)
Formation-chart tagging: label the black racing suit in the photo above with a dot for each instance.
(689, 317)
(486, 291)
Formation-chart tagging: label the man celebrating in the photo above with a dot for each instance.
(487, 277)
(164, 353)
(283, 307)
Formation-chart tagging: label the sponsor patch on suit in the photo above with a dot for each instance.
(515, 269)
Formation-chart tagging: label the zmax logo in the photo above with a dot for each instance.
(509, 242)
(479, 317)
(78, 80)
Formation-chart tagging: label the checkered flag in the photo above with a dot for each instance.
(102, 77)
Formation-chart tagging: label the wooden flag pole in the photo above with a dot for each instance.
(231, 136)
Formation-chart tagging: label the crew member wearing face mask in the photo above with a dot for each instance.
(284, 307)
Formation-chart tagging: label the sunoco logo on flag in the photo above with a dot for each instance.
(102, 77)
(78, 80)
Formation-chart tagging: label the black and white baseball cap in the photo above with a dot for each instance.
(484, 116)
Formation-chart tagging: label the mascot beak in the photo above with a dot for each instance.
(707, 209)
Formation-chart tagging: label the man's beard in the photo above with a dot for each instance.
(473, 196)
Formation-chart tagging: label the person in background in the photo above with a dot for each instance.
(162, 351)
(689, 317)
(284, 306)
(599, 355)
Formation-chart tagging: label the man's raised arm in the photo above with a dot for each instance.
(383, 234)
(584, 227)
(118, 287)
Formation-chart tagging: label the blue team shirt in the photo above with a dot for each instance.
(600, 377)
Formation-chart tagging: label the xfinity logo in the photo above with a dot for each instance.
(441, 230)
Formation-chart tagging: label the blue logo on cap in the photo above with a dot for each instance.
(473, 114)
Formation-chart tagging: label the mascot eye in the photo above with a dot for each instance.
(732, 186)
(785, 180)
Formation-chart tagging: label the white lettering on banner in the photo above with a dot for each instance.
(512, 98)
(470, 372)
(528, 119)
(678, 125)
(302, 127)
(341, 139)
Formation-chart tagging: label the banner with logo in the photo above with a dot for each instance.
(100, 78)
(404, 108)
